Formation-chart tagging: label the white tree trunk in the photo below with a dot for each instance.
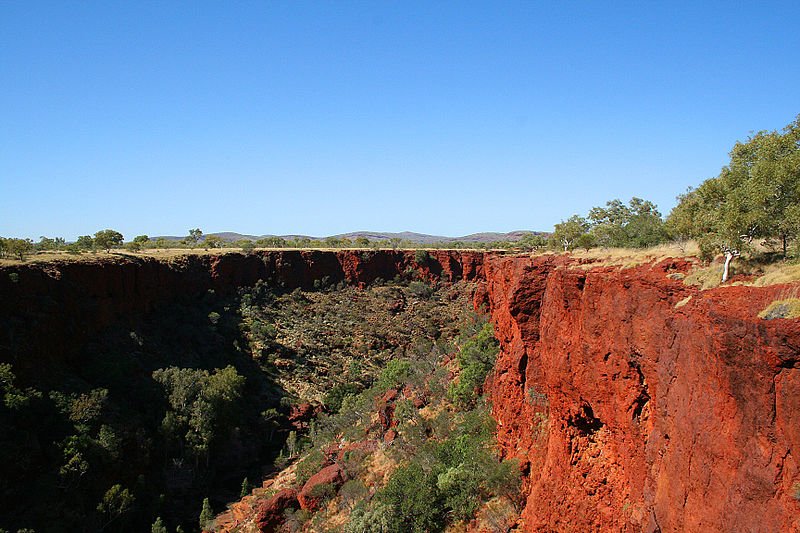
(726, 270)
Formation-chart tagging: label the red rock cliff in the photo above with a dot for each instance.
(635, 410)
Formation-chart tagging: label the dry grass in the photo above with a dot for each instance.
(786, 305)
(166, 253)
(777, 274)
(632, 257)
(705, 277)
(683, 302)
(767, 274)
(788, 308)
(170, 253)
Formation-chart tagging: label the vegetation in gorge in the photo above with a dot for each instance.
(416, 448)
(143, 422)
(167, 410)
(323, 345)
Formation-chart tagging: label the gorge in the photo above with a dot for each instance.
(633, 401)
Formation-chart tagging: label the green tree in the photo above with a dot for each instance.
(194, 237)
(772, 168)
(271, 242)
(586, 241)
(414, 496)
(476, 359)
(246, 488)
(46, 243)
(85, 242)
(247, 246)
(566, 233)
(107, 239)
(638, 224)
(206, 514)
(532, 241)
(203, 406)
(757, 195)
(115, 504)
(212, 241)
(19, 248)
(158, 526)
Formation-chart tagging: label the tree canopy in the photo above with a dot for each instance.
(107, 239)
(755, 196)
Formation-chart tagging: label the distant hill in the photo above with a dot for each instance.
(420, 238)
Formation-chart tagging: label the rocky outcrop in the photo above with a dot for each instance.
(270, 512)
(325, 482)
(636, 403)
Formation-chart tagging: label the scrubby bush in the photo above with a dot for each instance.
(334, 398)
(309, 465)
(397, 372)
(420, 289)
(475, 360)
(415, 499)
(377, 518)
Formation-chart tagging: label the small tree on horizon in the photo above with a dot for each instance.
(107, 239)
(212, 241)
(194, 237)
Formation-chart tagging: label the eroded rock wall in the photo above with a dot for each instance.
(633, 409)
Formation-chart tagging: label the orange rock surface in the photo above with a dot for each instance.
(633, 413)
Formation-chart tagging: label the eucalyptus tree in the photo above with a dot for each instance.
(755, 196)
(566, 233)
(107, 239)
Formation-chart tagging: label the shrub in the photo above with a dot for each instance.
(475, 359)
(323, 491)
(396, 373)
(333, 399)
(420, 289)
(206, 514)
(353, 491)
(378, 518)
(309, 465)
(158, 526)
(415, 499)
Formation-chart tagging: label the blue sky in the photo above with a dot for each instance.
(327, 117)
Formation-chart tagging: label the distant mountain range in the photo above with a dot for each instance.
(420, 238)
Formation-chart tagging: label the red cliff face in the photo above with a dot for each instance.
(634, 410)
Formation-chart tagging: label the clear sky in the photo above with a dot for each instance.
(326, 117)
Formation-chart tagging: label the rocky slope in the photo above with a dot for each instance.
(635, 402)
